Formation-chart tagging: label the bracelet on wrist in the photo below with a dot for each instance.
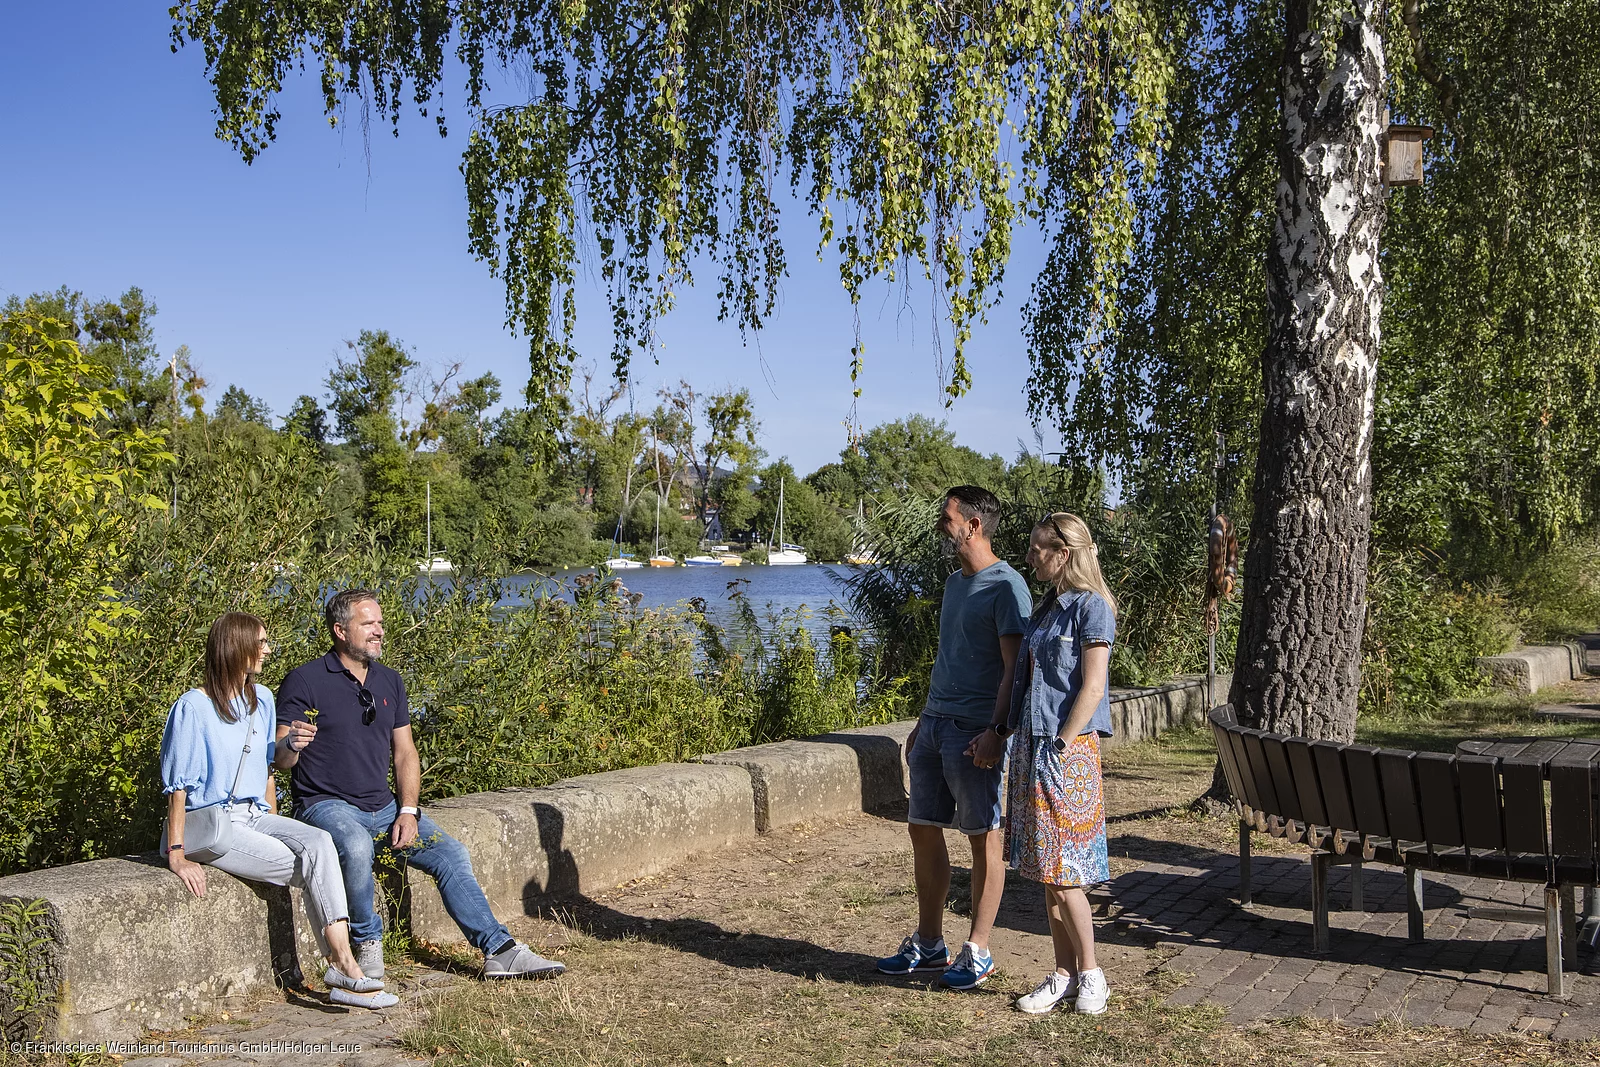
(175, 848)
(409, 810)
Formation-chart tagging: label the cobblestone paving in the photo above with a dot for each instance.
(1476, 974)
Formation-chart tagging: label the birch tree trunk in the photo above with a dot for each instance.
(1298, 662)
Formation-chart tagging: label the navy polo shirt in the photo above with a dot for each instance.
(349, 760)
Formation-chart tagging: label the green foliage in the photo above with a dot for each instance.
(676, 122)
(29, 990)
(1423, 637)
(516, 694)
(1558, 592)
(71, 488)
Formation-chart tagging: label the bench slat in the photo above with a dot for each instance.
(1334, 785)
(1303, 765)
(1366, 792)
(1247, 774)
(1258, 770)
(1572, 815)
(1230, 769)
(1400, 804)
(1441, 799)
(1522, 785)
(1282, 778)
(1480, 801)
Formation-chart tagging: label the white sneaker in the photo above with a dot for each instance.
(1055, 988)
(1093, 992)
(369, 954)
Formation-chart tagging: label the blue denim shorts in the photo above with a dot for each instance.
(947, 788)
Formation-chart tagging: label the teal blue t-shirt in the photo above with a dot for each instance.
(975, 614)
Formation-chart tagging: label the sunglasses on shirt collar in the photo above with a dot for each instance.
(369, 710)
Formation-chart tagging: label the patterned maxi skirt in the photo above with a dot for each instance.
(1056, 813)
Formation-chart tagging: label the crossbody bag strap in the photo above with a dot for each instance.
(240, 772)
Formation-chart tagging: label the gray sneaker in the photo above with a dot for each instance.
(370, 955)
(520, 961)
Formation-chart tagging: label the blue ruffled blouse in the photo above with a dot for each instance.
(200, 753)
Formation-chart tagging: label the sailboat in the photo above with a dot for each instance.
(431, 564)
(784, 554)
(656, 558)
(860, 554)
(623, 561)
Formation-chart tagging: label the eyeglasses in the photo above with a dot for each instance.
(369, 710)
(1051, 519)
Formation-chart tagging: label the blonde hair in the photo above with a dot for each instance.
(1062, 529)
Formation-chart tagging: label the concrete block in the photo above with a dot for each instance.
(129, 947)
(826, 776)
(795, 781)
(533, 847)
(1140, 714)
(1529, 669)
(880, 753)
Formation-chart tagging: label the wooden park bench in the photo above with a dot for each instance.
(1477, 815)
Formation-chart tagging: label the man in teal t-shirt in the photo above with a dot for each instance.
(956, 749)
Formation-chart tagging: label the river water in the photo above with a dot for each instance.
(811, 588)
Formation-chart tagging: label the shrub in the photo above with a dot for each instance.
(1423, 636)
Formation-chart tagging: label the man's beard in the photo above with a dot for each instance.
(360, 654)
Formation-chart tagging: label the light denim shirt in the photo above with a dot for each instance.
(1051, 661)
(200, 752)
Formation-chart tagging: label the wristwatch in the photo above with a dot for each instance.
(1001, 730)
(1060, 743)
(409, 810)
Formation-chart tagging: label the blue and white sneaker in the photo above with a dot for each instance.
(915, 956)
(972, 965)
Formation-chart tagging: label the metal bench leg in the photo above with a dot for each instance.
(1319, 901)
(1569, 925)
(1591, 915)
(1414, 904)
(1552, 941)
(1358, 897)
(1244, 864)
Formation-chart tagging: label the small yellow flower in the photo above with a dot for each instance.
(311, 715)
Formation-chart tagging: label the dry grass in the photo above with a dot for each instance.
(768, 960)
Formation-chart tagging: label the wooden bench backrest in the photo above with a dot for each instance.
(1481, 802)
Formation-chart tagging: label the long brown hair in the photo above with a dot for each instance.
(1082, 570)
(232, 644)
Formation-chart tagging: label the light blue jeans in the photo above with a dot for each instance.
(359, 835)
(279, 851)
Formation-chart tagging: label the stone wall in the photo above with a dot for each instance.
(126, 947)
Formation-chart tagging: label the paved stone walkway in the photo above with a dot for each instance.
(1476, 974)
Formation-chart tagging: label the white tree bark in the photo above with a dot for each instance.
(1298, 663)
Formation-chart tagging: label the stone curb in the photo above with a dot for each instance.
(129, 948)
(1532, 668)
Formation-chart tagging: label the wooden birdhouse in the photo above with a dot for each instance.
(1402, 154)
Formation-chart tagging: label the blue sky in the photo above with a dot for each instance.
(114, 178)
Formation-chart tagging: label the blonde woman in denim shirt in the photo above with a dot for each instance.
(1056, 822)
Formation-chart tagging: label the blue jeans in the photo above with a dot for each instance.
(359, 835)
(947, 788)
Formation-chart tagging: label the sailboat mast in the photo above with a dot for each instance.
(428, 496)
(780, 512)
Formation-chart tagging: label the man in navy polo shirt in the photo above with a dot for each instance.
(342, 719)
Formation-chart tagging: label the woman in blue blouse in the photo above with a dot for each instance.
(216, 750)
(1056, 820)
